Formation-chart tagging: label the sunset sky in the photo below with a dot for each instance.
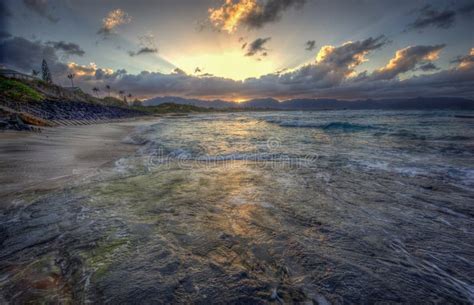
(244, 49)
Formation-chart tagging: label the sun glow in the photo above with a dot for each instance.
(230, 64)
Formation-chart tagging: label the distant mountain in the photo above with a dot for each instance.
(184, 101)
(324, 104)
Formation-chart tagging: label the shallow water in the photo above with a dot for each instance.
(337, 207)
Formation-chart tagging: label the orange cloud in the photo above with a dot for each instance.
(408, 59)
(230, 14)
(113, 19)
(343, 60)
(467, 62)
(251, 13)
(90, 70)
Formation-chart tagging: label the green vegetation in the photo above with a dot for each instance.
(113, 101)
(172, 108)
(18, 91)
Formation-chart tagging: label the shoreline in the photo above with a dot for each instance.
(32, 161)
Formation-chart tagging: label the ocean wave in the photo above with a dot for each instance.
(331, 126)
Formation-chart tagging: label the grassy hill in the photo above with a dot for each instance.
(35, 102)
(38, 90)
(18, 91)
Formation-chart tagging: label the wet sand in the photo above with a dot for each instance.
(57, 156)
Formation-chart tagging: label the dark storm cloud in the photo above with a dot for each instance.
(25, 55)
(4, 11)
(42, 8)
(257, 46)
(428, 16)
(68, 48)
(408, 59)
(143, 51)
(428, 67)
(270, 11)
(466, 9)
(310, 45)
(4, 34)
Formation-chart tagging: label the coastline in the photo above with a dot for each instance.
(42, 161)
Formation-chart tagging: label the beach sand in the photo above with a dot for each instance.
(43, 161)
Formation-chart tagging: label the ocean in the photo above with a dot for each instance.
(328, 207)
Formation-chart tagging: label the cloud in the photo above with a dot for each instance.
(466, 9)
(453, 82)
(334, 64)
(26, 55)
(82, 70)
(330, 75)
(147, 45)
(466, 61)
(179, 71)
(113, 19)
(68, 48)
(310, 45)
(408, 59)
(428, 16)
(40, 7)
(144, 50)
(250, 13)
(257, 46)
(270, 12)
(4, 12)
(428, 67)
(4, 34)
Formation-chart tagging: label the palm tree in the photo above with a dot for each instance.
(122, 94)
(96, 91)
(71, 76)
(108, 88)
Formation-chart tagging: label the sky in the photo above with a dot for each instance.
(243, 49)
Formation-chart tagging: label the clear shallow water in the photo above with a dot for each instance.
(342, 207)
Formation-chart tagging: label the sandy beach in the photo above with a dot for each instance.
(43, 161)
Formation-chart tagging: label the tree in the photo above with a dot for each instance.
(122, 94)
(46, 74)
(136, 103)
(71, 76)
(35, 73)
(108, 89)
(96, 91)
